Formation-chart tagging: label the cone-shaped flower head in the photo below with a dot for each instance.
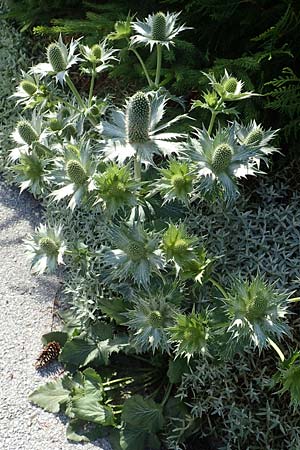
(190, 333)
(26, 132)
(230, 85)
(46, 249)
(138, 118)
(178, 245)
(221, 157)
(30, 172)
(76, 172)
(56, 57)
(254, 137)
(29, 87)
(157, 28)
(97, 52)
(176, 182)
(100, 55)
(256, 312)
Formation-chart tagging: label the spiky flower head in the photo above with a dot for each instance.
(256, 312)
(228, 87)
(177, 245)
(56, 57)
(115, 188)
(254, 137)
(136, 130)
(76, 172)
(26, 132)
(30, 173)
(219, 161)
(46, 248)
(29, 87)
(288, 376)
(98, 58)
(138, 118)
(176, 182)
(158, 28)
(151, 315)
(136, 255)
(190, 334)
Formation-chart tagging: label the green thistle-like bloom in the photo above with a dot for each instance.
(221, 157)
(137, 131)
(254, 137)
(115, 188)
(136, 255)
(46, 249)
(76, 172)
(30, 173)
(288, 376)
(156, 29)
(149, 318)
(190, 334)
(228, 87)
(256, 312)
(98, 58)
(26, 132)
(29, 87)
(176, 182)
(138, 118)
(177, 245)
(56, 57)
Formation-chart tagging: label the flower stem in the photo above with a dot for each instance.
(218, 286)
(276, 348)
(167, 395)
(158, 64)
(212, 121)
(75, 92)
(92, 85)
(143, 66)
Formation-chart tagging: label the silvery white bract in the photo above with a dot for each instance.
(74, 172)
(136, 131)
(135, 256)
(100, 55)
(256, 312)
(60, 58)
(45, 248)
(157, 28)
(220, 160)
(229, 88)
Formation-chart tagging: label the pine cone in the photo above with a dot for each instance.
(49, 353)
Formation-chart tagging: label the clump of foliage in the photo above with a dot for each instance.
(149, 309)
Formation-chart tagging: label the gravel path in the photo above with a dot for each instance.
(25, 314)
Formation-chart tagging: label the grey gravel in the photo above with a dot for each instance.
(26, 303)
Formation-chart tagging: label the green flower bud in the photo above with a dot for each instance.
(136, 250)
(230, 85)
(56, 57)
(29, 87)
(95, 110)
(48, 246)
(76, 172)
(211, 99)
(180, 246)
(27, 132)
(221, 157)
(159, 27)
(257, 308)
(138, 118)
(96, 52)
(178, 181)
(55, 125)
(254, 137)
(155, 319)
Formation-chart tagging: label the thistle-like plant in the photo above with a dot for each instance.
(256, 312)
(136, 254)
(219, 161)
(99, 57)
(115, 188)
(253, 135)
(73, 172)
(28, 90)
(135, 131)
(31, 173)
(177, 245)
(45, 248)
(228, 87)
(176, 182)
(190, 334)
(60, 58)
(151, 314)
(288, 376)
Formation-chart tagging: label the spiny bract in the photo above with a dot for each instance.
(221, 157)
(138, 118)
(159, 27)
(76, 172)
(56, 58)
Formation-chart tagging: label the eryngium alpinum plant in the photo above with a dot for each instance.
(128, 176)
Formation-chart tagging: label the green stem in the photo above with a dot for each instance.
(158, 64)
(75, 92)
(92, 86)
(167, 395)
(137, 167)
(218, 286)
(276, 348)
(143, 66)
(212, 121)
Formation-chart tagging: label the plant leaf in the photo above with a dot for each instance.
(50, 396)
(87, 407)
(144, 414)
(57, 336)
(79, 352)
(80, 431)
(177, 368)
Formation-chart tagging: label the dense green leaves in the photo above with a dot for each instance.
(144, 414)
(51, 396)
